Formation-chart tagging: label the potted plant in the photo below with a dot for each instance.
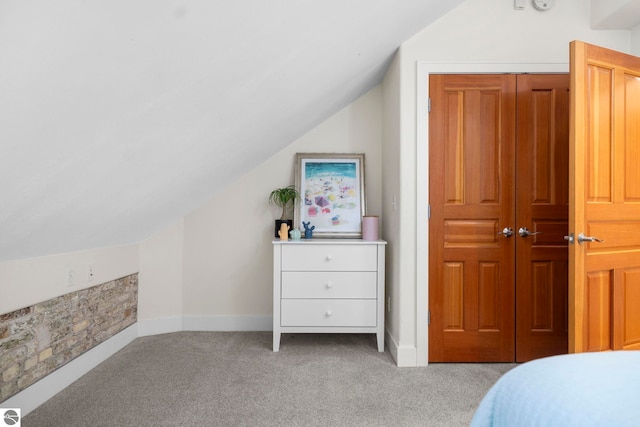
(283, 197)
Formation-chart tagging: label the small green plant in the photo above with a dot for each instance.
(284, 196)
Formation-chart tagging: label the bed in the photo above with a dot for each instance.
(586, 389)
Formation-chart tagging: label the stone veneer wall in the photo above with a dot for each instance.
(37, 340)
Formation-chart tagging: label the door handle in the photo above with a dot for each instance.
(582, 239)
(524, 232)
(507, 232)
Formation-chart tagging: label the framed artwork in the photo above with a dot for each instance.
(332, 190)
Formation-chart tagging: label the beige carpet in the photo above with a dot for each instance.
(234, 379)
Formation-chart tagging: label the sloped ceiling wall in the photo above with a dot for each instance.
(119, 117)
(614, 14)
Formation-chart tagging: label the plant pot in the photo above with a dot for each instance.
(278, 222)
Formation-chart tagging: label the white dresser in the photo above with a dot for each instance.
(328, 286)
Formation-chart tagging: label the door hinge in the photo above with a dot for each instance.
(429, 318)
(428, 211)
(428, 105)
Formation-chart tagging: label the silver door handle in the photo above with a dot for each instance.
(582, 239)
(507, 232)
(523, 232)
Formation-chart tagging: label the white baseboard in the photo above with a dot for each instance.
(227, 323)
(165, 325)
(405, 356)
(44, 389)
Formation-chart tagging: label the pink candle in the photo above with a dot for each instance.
(369, 228)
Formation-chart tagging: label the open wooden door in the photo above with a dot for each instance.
(604, 201)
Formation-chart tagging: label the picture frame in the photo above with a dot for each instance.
(332, 189)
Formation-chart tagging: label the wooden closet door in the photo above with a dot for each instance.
(472, 177)
(542, 206)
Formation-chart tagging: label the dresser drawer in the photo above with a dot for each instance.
(329, 258)
(329, 284)
(327, 312)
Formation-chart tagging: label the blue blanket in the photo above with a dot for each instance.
(587, 389)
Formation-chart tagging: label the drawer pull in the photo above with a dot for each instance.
(329, 285)
(329, 257)
(329, 313)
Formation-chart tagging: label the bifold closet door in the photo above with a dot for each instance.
(498, 196)
(471, 190)
(542, 207)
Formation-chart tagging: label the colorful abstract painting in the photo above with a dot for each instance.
(331, 188)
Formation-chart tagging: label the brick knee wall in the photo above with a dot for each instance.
(37, 340)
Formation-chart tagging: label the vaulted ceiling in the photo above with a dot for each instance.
(119, 117)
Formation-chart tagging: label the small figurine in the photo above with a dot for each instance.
(284, 231)
(308, 231)
(295, 234)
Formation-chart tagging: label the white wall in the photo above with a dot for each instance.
(635, 40)
(476, 31)
(215, 262)
(160, 280)
(391, 206)
(32, 280)
(227, 242)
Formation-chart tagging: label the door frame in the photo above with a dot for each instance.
(423, 70)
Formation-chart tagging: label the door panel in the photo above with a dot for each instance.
(542, 205)
(604, 287)
(625, 308)
(472, 171)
